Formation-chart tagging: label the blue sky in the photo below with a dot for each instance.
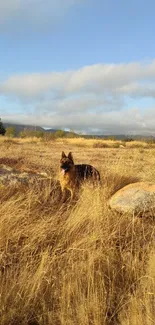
(78, 64)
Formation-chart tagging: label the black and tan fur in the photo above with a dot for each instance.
(71, 176)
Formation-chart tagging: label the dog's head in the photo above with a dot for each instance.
(66, 162)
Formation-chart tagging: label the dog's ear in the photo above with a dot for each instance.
(70, 156)
(63, 155)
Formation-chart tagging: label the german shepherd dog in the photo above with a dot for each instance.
(72, 176)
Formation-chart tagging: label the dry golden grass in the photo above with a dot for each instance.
(75, 263)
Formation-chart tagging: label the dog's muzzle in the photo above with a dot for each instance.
(64, 170)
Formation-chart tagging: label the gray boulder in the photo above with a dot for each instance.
(137, 198)
(11, 176)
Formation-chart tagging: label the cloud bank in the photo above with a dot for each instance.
(133, 79)
(33, 12)
(102, 98)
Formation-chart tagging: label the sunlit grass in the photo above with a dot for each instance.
(74, 263)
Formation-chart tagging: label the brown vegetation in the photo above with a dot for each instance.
(75, 264)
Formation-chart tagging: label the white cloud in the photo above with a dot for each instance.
(33, 85)
(93, 97)
(127, 79)
(83, 104)
(136, 89)
(34, 11)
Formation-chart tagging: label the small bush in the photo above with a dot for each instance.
(100, 145)
(48, 136)
(10, 132)
(127, 139)
(31, 134)
(137, 145)
(116, 145)
(150, 141)
(60, 134)
(71, 135)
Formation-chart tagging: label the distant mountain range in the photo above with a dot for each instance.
(21, 127)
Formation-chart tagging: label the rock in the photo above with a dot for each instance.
(11, 176)
(137, 198)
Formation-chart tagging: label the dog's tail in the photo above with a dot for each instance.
(96, 176)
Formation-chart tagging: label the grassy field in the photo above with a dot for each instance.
(75, 263)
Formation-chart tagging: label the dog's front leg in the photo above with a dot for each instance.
(73, 194)
(64, 194)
